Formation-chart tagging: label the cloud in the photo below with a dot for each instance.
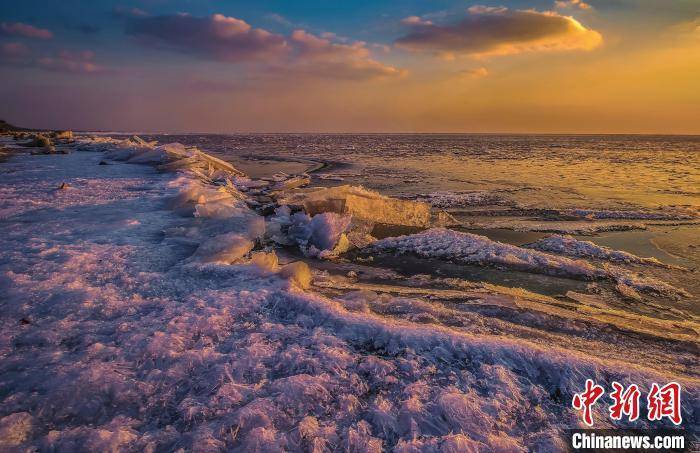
(24, 30)
(120, 11)
(19, 55)
(474, 73)
(233, 40)
(415, 20)
(72, 62)
(571, 4)
(690, 27)
(322, 57)
(487, 31)
(280, 19)
(12, 50)
(217, 37)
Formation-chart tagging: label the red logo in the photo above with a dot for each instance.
(665, 402)
(586, 399)
(661, 402)
(625, 402)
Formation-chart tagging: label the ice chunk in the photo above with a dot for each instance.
(167, 157)
(207, 201)
(160, 155)
(293, 182)
(362, 204)
(298, 273)
(327, 228)
(244, 183)
(313, 235)
(63, 135)
(224, 248)
(278, 225)
(217, 164)
(267, 262)
(115, 149)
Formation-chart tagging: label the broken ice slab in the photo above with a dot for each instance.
(168, 157)
(362, 204)
(218, 164)
(294, 182)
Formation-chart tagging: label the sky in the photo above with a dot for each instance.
(520, 66)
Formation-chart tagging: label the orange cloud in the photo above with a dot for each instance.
(321, 56)
(563, 4)
(474, 73)
(487, 31)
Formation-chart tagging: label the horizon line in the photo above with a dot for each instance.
(311, 132)
(126, 132)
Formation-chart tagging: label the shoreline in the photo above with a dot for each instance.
(126, 296)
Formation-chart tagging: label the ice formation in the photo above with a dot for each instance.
(225, 248)
(113, 339)
(468, 248)
(320, 235)
(362, 204)
(172, 156)
(567, 245)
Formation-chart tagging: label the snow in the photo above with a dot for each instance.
(113, 338)
(630, 282)
(567, 245)
(15, 429)
(468, 248)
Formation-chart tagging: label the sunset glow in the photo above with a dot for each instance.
(513, 66)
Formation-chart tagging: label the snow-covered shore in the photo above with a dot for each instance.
(134, 317)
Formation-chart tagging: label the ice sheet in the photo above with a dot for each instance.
(111, 338)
